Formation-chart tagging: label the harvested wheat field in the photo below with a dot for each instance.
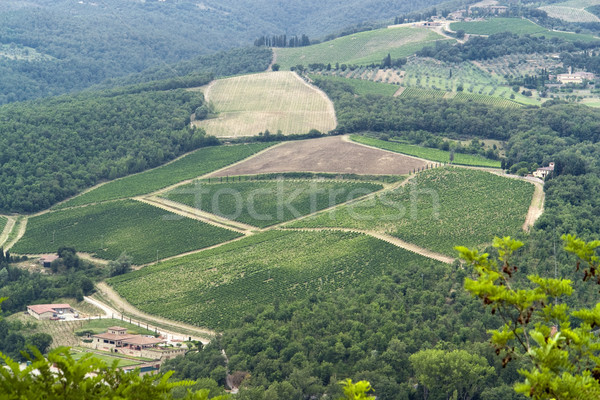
(274, 101)
(334, 154)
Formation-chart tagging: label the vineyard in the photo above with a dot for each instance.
(191, 166)
(428, 153)
(439, 209)
(106, 230)
(492, 101)
(3, 221)
(518, 26)
(363, 87)
(572, 11)
(422, 93)
(360, 48)
(217, 287)
(273, 101)
(265, 203)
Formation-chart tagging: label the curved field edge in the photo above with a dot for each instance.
(192, 165)
(438, 209)
(270, 101)
(360, 48)
(216, 287)
(427, 153)
(262, 203)
(106, 230)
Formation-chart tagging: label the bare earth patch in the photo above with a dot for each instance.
(330, 154)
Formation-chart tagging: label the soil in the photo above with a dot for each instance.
(331, 154)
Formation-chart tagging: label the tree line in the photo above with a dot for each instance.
(282, 41)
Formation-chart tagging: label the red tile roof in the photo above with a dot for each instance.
(113, 336)
(43, 308)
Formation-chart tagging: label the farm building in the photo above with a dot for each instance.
(46, 260)
(117, 340)
(575, 77)
(544, 171)
(47, 311)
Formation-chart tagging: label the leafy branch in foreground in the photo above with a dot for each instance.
(558, 342)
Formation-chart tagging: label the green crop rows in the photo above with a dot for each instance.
(360, 48)
(515, 25)
(142, 231)
(265, 203)
(3, 221)
(216, 287)
(422, 93)
(364, 87)
(195, 164)
(428, 153)
(493, 101)
(439, 209)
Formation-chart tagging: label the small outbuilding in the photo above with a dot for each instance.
(47, 311)
(47, 259)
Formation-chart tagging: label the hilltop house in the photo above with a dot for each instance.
(117, 340)
(47, 311)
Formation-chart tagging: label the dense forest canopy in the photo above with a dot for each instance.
(49, 47)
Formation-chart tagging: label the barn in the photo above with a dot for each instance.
(47, 311)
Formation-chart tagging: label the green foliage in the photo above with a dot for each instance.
(427, 153)
(446, 372)
(86, 378)
(265, 203)
(214, 287)
(192, 165)
(364, 87)
(356, 391)
(558, 343)
(108, 229)
(54, 149)
(437, 208)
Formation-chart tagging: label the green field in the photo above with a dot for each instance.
(360, 48)
(515, 25)
(492, 101)
(107, 358)
(364, 87)
(572, 10)
(101, 325)
(265, 203)
(275, 101)
(216, 287)
(195, 164)
(439, 209)
(109, 229)
(427, 153)
(422, 93)
(3, 221)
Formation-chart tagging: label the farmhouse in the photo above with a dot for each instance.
(575, 77)
(544, 171)
(117, 340)
(47, 311)
(46, 260)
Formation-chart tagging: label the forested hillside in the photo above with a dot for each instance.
(54, 149)
(49, 47)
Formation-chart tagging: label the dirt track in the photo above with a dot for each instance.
(330, 154)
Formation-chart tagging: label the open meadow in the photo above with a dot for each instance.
(438, 209)
(108, 229)
(269, 202)
(275, 101)
(191, 166)
(360, 48)
(217, 287)
(428, 153)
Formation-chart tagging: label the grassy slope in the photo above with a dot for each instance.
(216, 287)
(427, 153)
(250, 104)
(363, 87)
(441, 208)
(514, 25)
(101, 325)
(269, 202)
(191, 166)
(108, 229)
(360, 48)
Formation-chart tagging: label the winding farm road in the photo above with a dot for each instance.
(176, 329)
